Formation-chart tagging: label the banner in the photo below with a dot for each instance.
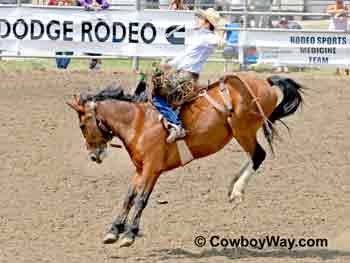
(43, 32)
(32, 31)
(299, 48)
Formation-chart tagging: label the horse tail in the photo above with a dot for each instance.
(292, 100)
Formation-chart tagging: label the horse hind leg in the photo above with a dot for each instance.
(239, 183)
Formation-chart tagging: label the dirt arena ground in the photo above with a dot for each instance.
(55, 205)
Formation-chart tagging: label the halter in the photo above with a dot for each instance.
(106, 132)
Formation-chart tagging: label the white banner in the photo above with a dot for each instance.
(31, 31)
(43, 32)
(300, 48)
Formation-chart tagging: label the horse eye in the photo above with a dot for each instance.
(82, 126)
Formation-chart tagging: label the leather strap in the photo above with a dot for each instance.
(225, 95)
(213, 102)
(184, 152)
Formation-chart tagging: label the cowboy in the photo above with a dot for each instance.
(189, 64)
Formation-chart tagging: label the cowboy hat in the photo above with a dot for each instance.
(213, 17)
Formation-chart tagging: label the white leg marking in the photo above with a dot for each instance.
(110, 238)
(241, 183)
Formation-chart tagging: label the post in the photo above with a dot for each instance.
(195, 4)
(225, 66)
(19, 4)
(226, 61)
(136, 60)
(241, 55)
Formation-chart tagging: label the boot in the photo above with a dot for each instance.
(175, 132)
(141, 86)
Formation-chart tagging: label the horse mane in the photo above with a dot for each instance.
(113, 92)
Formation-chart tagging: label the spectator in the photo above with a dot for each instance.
(61, 2)
(62, 62)
(189, 4)
(94, 5)
(338, 21)
(231, 49)
(261, 21)
(283, 24)
(177, 5)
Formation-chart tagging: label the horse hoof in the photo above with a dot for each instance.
(236, 198)
(110, 238)
(126, 240)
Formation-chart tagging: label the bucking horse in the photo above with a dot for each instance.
(236, 106)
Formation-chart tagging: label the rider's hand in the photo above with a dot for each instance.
(166, 67)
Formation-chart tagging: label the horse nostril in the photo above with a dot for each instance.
(93, 158)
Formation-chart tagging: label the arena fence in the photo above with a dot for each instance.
(250, 38)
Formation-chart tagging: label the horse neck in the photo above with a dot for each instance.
(120, 117)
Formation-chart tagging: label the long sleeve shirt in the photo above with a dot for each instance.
(202, 45)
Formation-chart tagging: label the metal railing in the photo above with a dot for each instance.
(245, 13)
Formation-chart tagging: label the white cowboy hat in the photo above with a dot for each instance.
(213, 17)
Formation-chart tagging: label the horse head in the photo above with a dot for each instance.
(96, 134)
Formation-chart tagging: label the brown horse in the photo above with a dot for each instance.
(138, 126)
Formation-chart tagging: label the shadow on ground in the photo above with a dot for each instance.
(240, 253)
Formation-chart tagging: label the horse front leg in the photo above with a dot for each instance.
(119, 225)
(143, 193)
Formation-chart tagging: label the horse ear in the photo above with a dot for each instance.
(75, 104)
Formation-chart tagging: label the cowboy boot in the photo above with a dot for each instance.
(175, 132)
